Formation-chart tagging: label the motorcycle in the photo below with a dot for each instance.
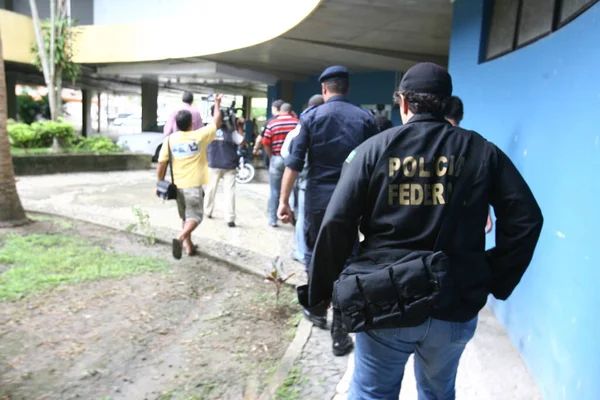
(245, 171)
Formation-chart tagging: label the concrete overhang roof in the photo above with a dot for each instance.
(364, 35)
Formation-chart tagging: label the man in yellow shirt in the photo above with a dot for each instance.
(190, 171)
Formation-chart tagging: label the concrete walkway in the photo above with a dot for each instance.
(491, 368)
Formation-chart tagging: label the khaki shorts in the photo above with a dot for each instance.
(190, 204)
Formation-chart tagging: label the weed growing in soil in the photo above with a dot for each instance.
(276, 275)
(287, 299)
(290, 390)
(143, 226)
(39, 262)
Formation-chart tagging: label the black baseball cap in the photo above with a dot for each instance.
(427, 78)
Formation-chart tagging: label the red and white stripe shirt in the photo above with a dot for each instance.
(276, 131)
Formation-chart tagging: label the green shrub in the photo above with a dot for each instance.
(22, 135)
(97, 144)
(28, 108)
(47, 130)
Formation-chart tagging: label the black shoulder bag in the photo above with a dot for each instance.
(407, 286)
(167, 190)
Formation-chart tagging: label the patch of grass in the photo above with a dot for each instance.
(290, 389)
(287, 298)
(40, 262)
(17, 151)
(42, 218)
(292, 324)
(270, 369)
(180, 394)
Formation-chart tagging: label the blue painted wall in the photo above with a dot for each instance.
(365, 88)
(540, 105)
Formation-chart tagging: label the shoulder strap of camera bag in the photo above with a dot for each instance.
(170, 161)
(461, 190)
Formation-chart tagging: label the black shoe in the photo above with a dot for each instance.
(341, 341)
(318, 321)
(231, 224)
(209, 216)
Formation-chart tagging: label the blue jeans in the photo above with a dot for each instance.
(300, 243)
(380, 356)
(276, 169)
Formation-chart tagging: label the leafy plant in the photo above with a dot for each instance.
(63, 50)
(29, 108)
(22, 136)
(48, 130)
(276, 275)
(53, 50)
(143, 226)
(97, 144)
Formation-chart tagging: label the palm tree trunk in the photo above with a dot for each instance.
(11, 210)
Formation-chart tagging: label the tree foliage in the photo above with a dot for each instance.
(63, 47)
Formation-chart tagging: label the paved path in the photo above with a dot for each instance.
(491, 368)
(108, 199)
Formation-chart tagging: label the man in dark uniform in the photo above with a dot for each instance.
(328, 134)
(398, 184)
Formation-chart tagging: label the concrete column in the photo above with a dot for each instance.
(86, 112)
(247, 106)
(273, 93)
(287, 91)
(99, 96)
(149, 102)
(11, 96)
(7, 5)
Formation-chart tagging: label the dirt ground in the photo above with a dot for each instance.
(199, 331)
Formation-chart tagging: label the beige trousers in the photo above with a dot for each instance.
(228, 176)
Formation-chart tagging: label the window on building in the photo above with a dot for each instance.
(517, 23)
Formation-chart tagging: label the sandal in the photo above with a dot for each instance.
(177, 249)
(193, 252)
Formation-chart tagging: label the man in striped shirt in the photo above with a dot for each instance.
(274, 135)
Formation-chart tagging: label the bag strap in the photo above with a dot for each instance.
(170, 162)
(461, 190)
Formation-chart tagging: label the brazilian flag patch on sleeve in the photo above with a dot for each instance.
(350, 156)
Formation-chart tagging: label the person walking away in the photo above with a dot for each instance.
(328, 133)
(222, 162)
(275, 111)
(171, 125)
(405, 186)
(299, 253)
(190, 171)
(273, 137)
(454, 113)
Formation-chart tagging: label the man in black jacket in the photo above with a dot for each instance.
(397, 184)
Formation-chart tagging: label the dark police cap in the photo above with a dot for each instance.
(337, 71)
(427, 78)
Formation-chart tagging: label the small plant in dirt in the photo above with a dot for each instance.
(276, 275)
(143, 226)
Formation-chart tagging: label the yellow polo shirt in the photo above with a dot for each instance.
(188, 152)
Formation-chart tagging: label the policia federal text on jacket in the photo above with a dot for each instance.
(397, 184)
